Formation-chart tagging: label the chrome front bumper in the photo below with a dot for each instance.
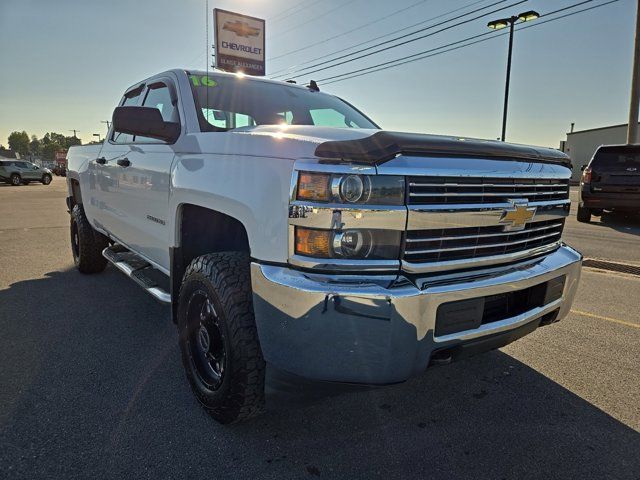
(357, 330)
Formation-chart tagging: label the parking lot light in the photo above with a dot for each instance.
(498, 25)
(528, 16)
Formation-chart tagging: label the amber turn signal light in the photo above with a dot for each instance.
(314, 186)
(313, 243)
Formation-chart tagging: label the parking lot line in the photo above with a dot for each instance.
(608, 319)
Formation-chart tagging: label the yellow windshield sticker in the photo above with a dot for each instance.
(203, 80)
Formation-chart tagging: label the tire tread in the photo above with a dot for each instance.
(91, 243)
(229, 275)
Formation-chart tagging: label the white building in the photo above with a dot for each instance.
(581, 145)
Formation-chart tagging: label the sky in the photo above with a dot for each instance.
(66, 63)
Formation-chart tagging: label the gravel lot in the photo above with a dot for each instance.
(91, 384)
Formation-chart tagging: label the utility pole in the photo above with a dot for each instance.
(74, 132)
(107, 122)
(632, 129)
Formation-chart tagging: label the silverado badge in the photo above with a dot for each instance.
(516, 218)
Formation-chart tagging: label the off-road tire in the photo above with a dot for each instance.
(86, 243)
(225, 279)
(46, 179)
(583, 215)
(15, 179)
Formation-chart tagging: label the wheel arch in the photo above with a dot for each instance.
(74, 193)
(198, 231)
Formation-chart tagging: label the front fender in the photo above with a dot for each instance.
(253, 190)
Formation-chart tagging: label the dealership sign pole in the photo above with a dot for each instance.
(239, 42)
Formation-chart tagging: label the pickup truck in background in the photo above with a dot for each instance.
(284, 227)
(611, 181)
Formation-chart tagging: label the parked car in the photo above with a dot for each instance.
(611, 181)
(284, 227)
(16, 172)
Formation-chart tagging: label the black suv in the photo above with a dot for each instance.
(611, 181)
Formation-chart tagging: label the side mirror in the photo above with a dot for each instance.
(146, 122)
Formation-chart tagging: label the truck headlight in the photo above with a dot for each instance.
(351, 188)
(348, 244)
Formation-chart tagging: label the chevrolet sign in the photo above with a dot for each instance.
(239, 42)
(516, 217)
(242, 29)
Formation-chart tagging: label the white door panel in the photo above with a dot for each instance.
(143, 200)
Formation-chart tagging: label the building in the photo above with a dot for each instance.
(5, 154)
(580, 145)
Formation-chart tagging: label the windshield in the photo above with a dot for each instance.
(225, 103)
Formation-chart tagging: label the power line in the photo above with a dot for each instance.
(350, 31)
(313, 19)
(421, 55)
(293, 67)
(308, 70)
(279, 16)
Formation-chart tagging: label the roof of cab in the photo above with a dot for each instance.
(215, 72)
(222, 73)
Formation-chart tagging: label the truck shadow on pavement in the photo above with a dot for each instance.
(92, 386)
(619, 221)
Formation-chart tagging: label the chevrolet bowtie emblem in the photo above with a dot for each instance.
(517, 217)
(242, 29)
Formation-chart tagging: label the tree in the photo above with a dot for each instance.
(19, 142)
(35, 147)
(71, 141)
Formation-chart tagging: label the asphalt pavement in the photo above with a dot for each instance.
(91, 384)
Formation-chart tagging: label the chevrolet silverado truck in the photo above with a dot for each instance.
(285, 228)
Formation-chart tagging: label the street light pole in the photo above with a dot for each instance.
(497, 25)
(506, 87)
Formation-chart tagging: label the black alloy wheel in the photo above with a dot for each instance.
(206, 341)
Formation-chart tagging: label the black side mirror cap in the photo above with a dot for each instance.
(146, 122)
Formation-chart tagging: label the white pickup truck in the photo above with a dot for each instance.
(285, 228)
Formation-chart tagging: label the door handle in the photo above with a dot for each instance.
(101, 160)
(124, 162)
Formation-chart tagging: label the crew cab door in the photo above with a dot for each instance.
(105, 171)
(143, 179)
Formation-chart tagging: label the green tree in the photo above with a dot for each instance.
(35, 148)
(19, 142)
(71, 141)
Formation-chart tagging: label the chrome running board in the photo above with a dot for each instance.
(139, 270)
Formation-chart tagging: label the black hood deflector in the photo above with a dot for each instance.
(383, 146)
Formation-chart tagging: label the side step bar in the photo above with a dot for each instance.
(138, 270)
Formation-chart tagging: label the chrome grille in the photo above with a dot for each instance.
(470, 190)
(445, 244)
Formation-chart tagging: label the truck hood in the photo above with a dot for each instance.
(372, 146)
